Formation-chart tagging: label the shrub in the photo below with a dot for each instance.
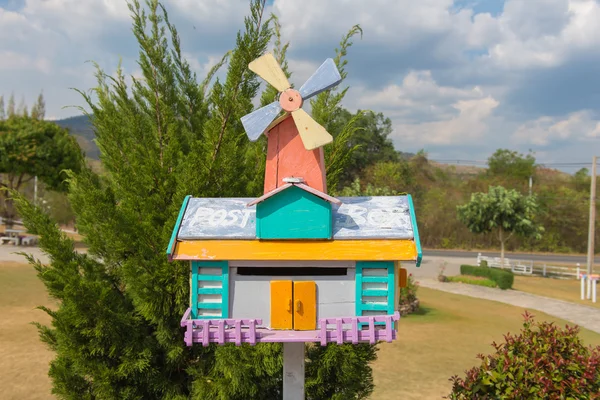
(502, 277)
(476, 271)
(408, 294)
(542, 362)
(472, 281)
(483, 263)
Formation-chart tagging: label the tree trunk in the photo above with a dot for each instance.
(502, 240)
(9, 213)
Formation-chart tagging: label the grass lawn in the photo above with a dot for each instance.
(561, 289)
(23, 358)
(440, 341)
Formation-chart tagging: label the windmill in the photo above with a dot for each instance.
(290, 100)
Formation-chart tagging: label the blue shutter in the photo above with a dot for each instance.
(210, 300)
(379, 300)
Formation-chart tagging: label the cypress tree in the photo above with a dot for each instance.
(2, 112)
(116, 330)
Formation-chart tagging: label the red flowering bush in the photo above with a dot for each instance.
(408, 294)
(542, 362)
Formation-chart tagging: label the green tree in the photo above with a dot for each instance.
(22, 110)
(505, 212)
(371, 139)
(10, 109)
(38, 111)
(582, 180)
(396, 175)
(511, 164)
(31, 148)
(116, 330)
(356, 189)
(2, 112)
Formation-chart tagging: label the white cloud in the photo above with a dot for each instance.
(16, 61)
(470, 124)
(452, 114)
(577, 126)
(544, 33)
(212, 12)
(395, 23)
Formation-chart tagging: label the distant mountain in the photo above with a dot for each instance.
(81, 128)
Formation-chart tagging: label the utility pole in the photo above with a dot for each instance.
(35, 191)
(592, 227)
(530, 184)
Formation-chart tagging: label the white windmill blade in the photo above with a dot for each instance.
(267, 67)
(312, 134)
(325, 77)
(257, 121)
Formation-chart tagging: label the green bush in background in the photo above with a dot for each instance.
(471, 281)
(503, 278)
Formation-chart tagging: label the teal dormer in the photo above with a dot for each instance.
(294, 211)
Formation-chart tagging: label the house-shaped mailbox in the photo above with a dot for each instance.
(295, 265)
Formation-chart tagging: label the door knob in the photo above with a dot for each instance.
(298, 306)
(289, 306)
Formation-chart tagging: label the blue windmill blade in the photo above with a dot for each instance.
(325, 77)
(257, 121)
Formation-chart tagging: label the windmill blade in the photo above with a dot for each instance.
(325, 77)
(257, 121)
(268, 68)
(313, 135)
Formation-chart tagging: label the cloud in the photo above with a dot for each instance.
(426, 113)
(577, 126)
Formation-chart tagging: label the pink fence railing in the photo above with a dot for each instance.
(338, 330)
(355, 334)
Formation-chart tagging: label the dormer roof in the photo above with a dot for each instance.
(300, 185)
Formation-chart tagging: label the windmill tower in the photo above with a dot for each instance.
(295, 139)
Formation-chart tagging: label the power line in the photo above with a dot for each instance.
(485, 162)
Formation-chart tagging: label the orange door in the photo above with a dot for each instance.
(293, 306)
(281, 304)
(305, 306)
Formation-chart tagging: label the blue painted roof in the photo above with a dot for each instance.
(381, 217)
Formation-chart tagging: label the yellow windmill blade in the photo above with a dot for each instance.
(313, 135)
(268, 68)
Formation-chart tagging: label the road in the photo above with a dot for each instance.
(559, 258)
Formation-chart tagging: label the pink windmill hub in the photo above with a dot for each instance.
(290, 100)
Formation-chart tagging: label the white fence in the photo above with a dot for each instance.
(527, 267)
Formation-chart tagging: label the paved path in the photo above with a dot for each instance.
(584, 316)
(8, 253)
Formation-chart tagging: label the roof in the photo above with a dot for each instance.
(380, 217)
(354, 218)
(299, 185)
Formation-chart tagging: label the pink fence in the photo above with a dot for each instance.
(338, 330)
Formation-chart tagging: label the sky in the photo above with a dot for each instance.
(458, 78)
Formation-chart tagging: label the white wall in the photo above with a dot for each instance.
(250, 296)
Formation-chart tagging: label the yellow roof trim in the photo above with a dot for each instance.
(296, 250)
